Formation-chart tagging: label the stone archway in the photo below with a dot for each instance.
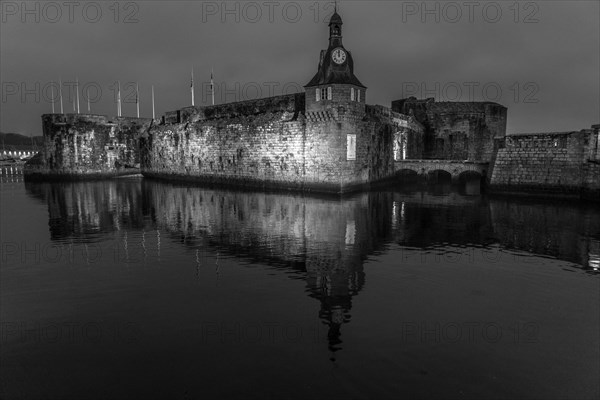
(439, 176)
(407, 175)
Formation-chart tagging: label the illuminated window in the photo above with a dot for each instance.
(352, 94)
(329, 93)
(351, 147)
(318, 91)
(358, 95)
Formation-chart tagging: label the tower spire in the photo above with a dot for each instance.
(335, 29)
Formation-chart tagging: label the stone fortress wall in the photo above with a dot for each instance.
(565, 163)
(80, 146)
(271, 142)
(276, 142)
(325, 139)
(469, 131)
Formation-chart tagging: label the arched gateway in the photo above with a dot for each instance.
(457, 169)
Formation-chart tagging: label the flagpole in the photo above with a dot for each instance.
(62, 111)
(53, 99)
(192, 87)
(137, 98)
(88, 100)
(77, 88)
(212, 86)
(153, 115)
(119, 101)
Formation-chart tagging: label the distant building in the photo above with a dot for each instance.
(14, 146)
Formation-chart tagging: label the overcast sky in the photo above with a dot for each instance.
(540, 59)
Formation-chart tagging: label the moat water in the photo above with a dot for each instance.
(140, 289)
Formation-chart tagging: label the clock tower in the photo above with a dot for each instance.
(334, 87)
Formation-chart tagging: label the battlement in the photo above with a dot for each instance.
(292, 103)
(430, 106)
(457, 107)
(88, 145)
(583, 144)
(563, 162)
(403, 120)
(541, 134)
(58, 119)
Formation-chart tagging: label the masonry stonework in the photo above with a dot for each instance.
(87, 146)
(565, 163)
(470, 131)
(326, 139)
(274, 142)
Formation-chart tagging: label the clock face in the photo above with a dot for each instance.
(338, 56)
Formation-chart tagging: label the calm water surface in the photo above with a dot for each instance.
(139, 289)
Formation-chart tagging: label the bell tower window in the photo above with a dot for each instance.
(323, 94)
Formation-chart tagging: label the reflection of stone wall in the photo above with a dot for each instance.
(323, 237)
(563, 231)
(78, 209)
(422, 220)
(591, 180)
(287, 227)
(328, 239)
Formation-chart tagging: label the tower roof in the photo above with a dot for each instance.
(335, 19)
(330, 72)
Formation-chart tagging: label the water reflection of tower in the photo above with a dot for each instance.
(349, 231)
(334, 282)
(324, 240)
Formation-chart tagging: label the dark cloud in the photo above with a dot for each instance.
(547, 70)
